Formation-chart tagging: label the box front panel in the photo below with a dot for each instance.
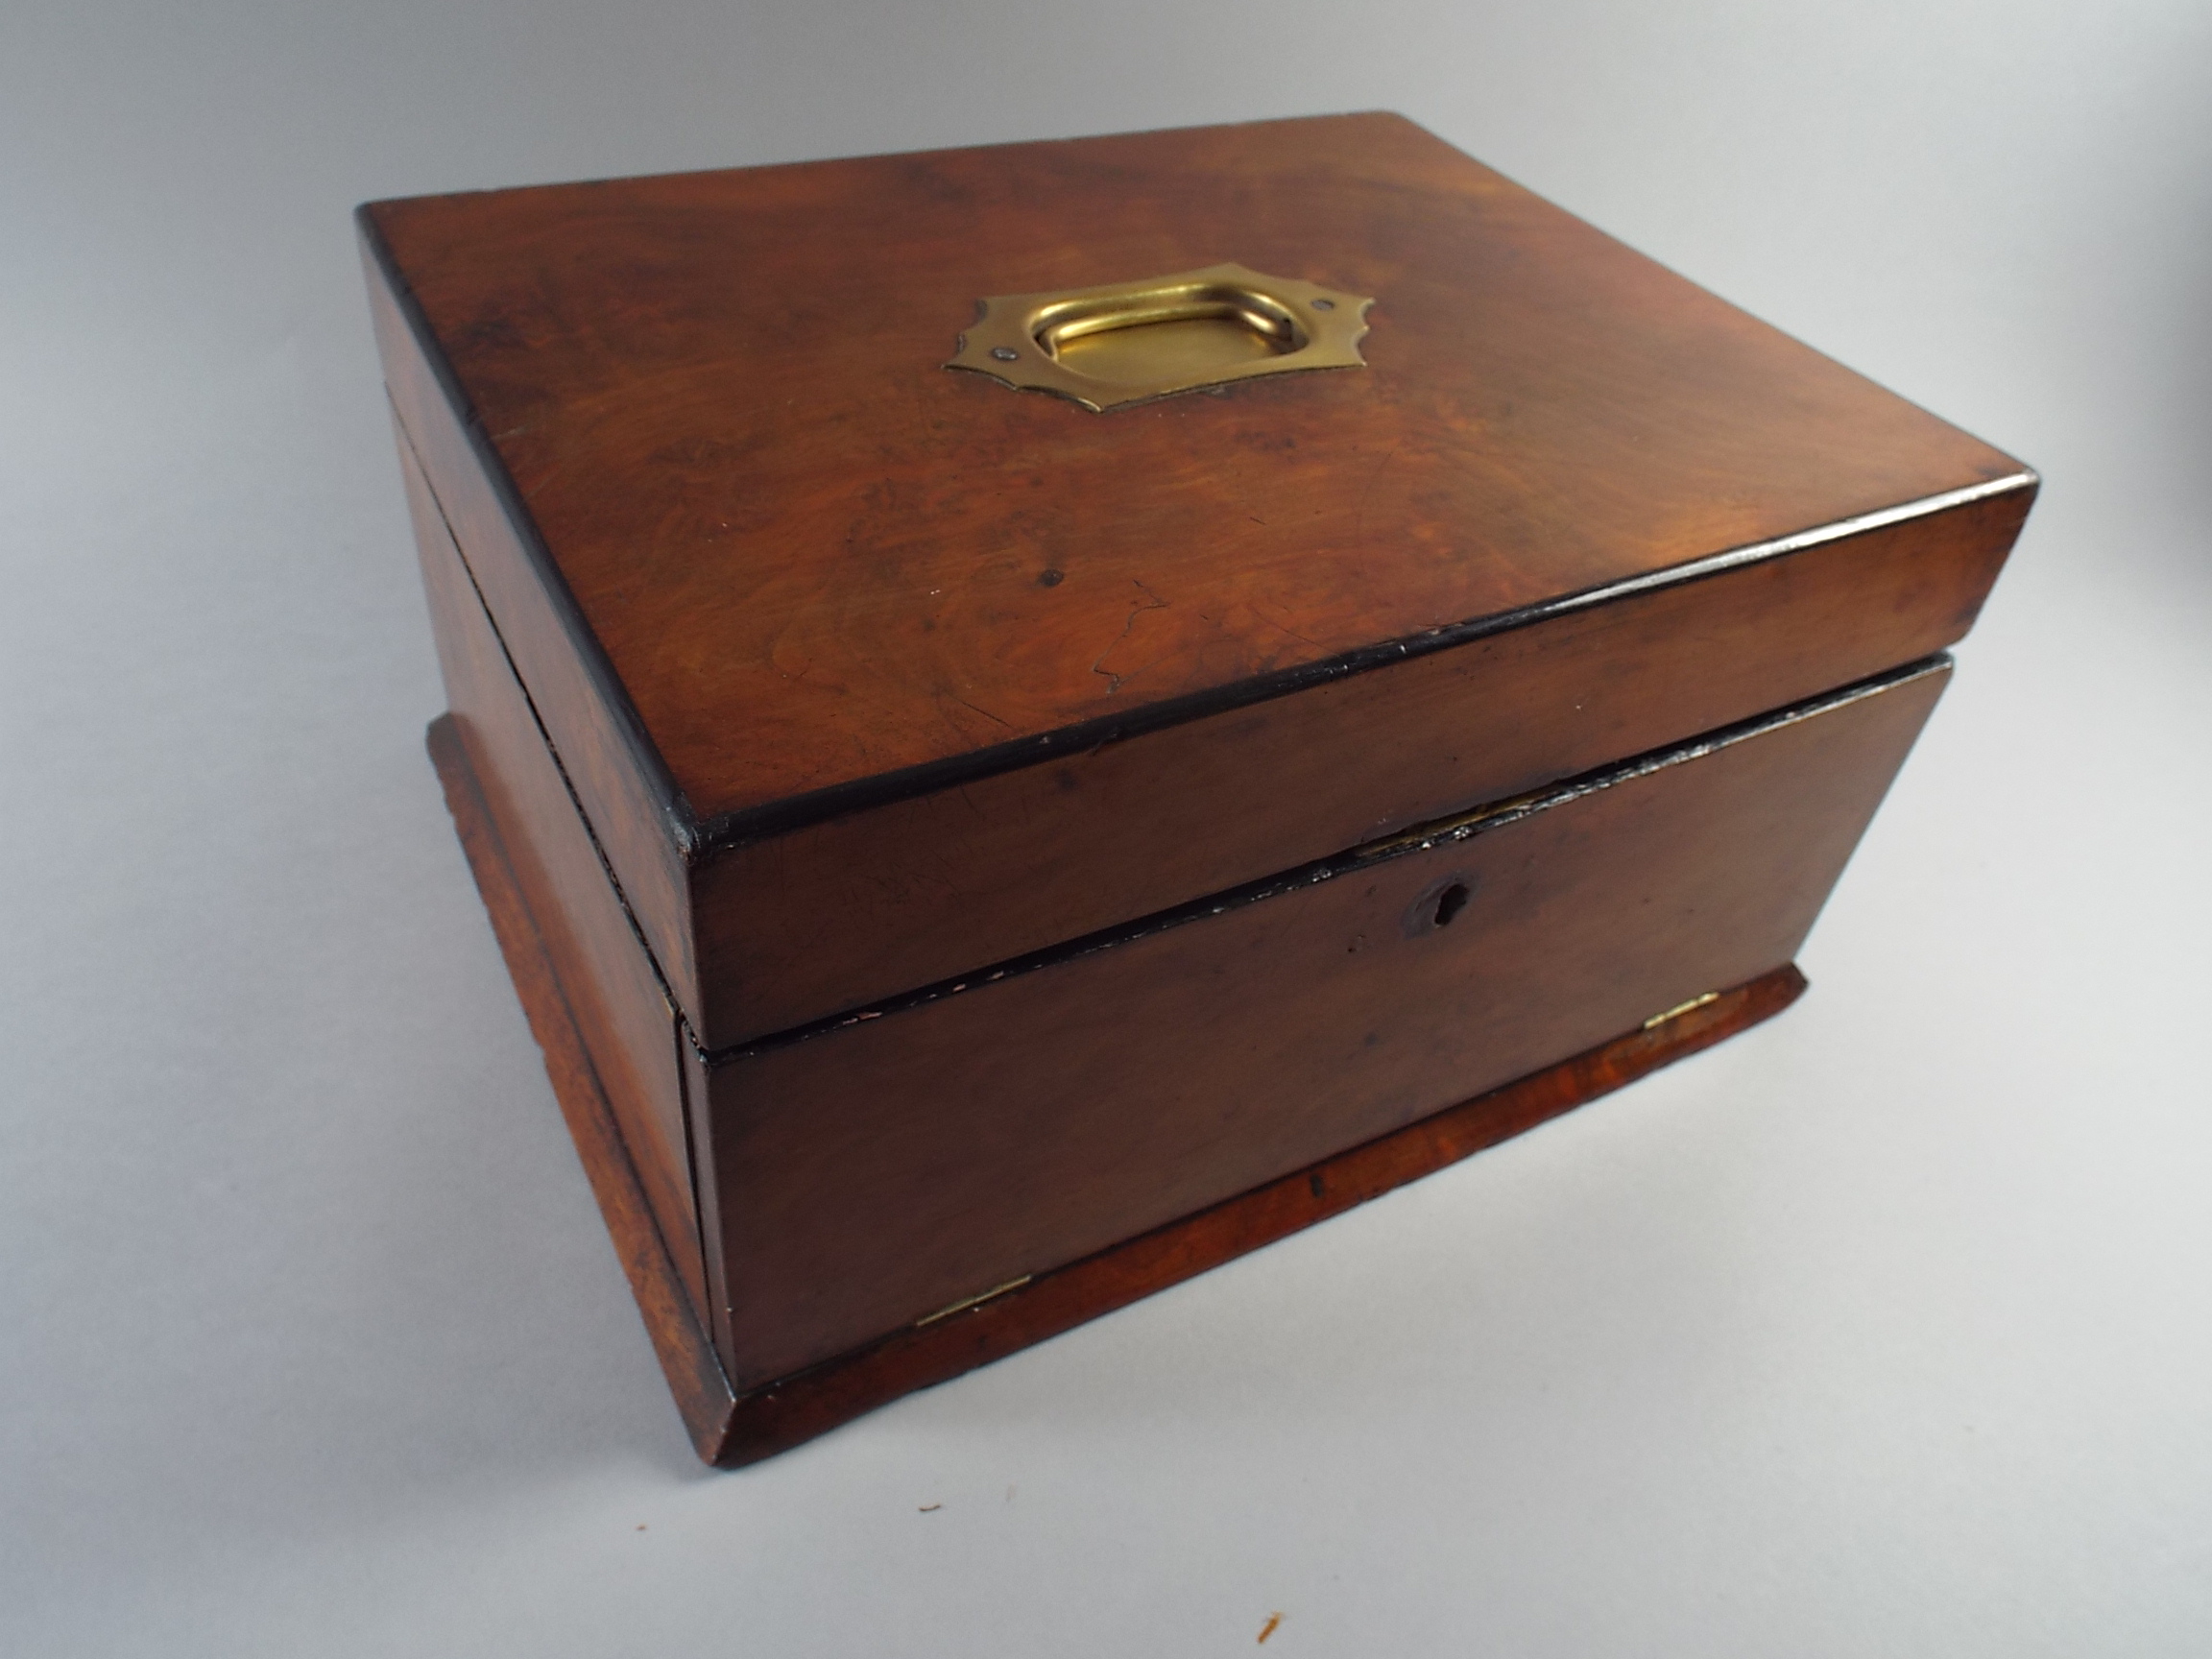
(840, 914)
(886, 1169)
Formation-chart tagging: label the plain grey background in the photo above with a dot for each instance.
(1884, 1329)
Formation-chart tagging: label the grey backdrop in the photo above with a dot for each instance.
(1881, 1331)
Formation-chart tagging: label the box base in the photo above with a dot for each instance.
(730, 1429)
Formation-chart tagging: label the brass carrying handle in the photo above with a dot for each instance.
(1075, 318)
(1132, 342)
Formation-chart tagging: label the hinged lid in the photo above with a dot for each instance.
(817, 569)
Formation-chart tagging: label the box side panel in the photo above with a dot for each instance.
(667, 1306)
(839, 914)
(698, 1098)
(628, 812)
(890, 1168)
(611, 994)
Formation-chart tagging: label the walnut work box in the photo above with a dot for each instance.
(1031, 719)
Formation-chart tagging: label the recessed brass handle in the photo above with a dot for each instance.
(1132, 342)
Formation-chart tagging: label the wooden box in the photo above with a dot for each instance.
(995, 809)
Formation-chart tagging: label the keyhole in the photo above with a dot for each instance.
(1450, 902)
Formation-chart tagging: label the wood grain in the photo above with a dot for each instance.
(784, 1414)
(606, 982)
(869, 674)
(635, 814)
(733, 1431)
(896, 1165)
(814, 558)
(835, 915)
(703, 1394)
(798, 683)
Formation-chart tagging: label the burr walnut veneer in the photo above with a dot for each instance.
(971, 859)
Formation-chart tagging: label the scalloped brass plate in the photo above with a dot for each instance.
(1132, 342)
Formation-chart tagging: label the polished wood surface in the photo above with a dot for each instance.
(637, 819)
(835, 915)
(814, 558)
(868, 675)
(605, 978)
(773, 1419)
(896, 1165)
(923, 808)
(732, 1430)
(537, 961)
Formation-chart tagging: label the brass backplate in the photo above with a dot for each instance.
(1132, 342)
